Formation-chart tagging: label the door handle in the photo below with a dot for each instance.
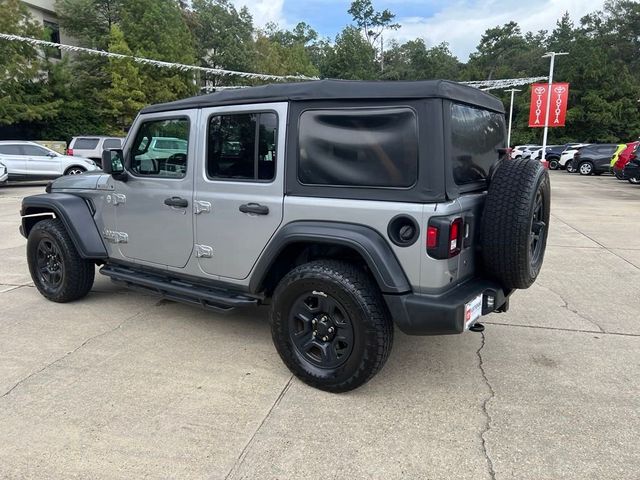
(254, 208)
(176, 202)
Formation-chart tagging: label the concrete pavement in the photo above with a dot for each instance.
(123, 385)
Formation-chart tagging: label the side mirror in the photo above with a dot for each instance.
(113, 164)
(52, 154)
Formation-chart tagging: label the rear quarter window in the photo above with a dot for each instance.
(112, 143)
(476, 136)
(86, 143)
(361, 147)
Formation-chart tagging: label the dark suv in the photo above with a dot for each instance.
(594, 159)
(347, 207)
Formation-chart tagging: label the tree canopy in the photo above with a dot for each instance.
(84, 94)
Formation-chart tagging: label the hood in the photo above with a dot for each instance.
(86, 181)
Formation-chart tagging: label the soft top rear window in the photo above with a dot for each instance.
(361, 147)
(476, 137)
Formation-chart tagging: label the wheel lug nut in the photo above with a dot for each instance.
(330, 329)
(324, 339)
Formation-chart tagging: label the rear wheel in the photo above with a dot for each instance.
(634, 180)
(553, 164)
(330, 325)
(569, 166)
(56, 268)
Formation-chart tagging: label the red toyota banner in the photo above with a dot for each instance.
(558, 110)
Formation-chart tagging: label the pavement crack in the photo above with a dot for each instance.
(485, 411)
(68, 354)
(245, 450)
(572, 310)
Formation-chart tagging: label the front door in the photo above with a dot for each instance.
(239, 186)
(154, 219)
(42, 163)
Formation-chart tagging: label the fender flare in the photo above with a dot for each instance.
(366, 241)
(76, 217)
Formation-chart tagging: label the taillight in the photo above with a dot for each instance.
(69, 151)
(432, 237)
(444, 237)
(455, 240)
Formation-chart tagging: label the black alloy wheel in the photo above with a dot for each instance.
(321, 330)
(50, 265)
(538, 231)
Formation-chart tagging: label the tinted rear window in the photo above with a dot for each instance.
(476, 136)
(111, 143)
(363, 147)
(10, 149)
(85, 143)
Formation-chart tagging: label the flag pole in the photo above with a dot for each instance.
(552, 55)
(513, 90)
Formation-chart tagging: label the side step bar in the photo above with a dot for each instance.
(216, 299)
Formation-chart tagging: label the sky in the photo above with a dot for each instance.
(458, 22)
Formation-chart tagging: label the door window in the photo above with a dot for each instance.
(160, 148)
(242, 146)
(34, 151)
(10, 150)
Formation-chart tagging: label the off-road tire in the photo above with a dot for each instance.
(354, 289)
(77, 274)
(518, 193)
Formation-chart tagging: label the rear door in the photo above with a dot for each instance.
(239, 186)
(13, 158)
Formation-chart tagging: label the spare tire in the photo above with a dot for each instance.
(515, 223)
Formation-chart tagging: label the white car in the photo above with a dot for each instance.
(522, 151)
(569, 153)
(4, 176)
(30, 161)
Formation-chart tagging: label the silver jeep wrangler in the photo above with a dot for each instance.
(346, 206)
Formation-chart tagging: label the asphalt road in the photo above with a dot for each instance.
(122, 385)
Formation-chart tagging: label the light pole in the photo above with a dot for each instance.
(551, 55)
(513, 90)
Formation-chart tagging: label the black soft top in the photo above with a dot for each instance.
(337, 90)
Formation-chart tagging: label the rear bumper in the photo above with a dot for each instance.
(444, 314)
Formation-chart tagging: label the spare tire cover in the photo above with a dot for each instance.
(515, 222)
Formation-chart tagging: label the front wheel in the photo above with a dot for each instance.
(56, 268)
(634, 180)
(569, 166)
(585, 168)
(75, 171)
(330, 325)
(553, 164)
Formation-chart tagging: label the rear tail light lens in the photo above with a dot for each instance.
(455, 237)
(69, 151)
(432, 237)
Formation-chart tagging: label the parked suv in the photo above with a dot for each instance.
(594, 159)
(93, 146)
(345, 206)
(30, 161)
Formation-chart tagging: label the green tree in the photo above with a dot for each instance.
(90, 21)
(156, 29)
(372, 23)
(414, 61)
(222, 35)
(124, 97)
(351, 58)
(24, 91)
